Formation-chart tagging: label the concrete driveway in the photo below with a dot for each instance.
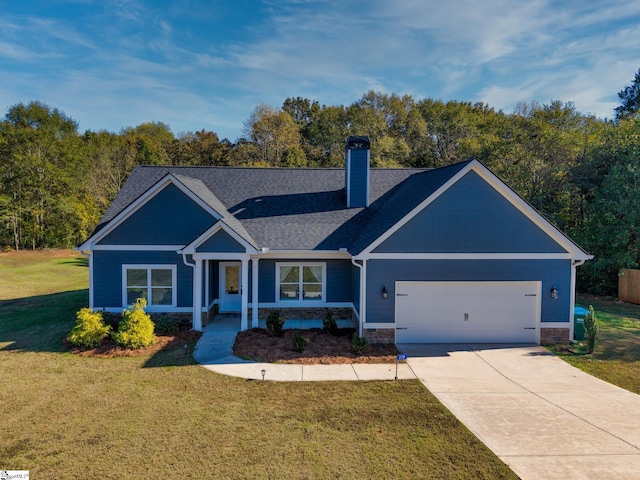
(541, 416)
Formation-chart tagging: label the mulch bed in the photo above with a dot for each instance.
(256, 344)
(108, 348)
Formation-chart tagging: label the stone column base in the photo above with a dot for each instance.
(380, 335)
(549, 336)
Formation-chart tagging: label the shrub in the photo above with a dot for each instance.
(299, 342)
(358, 344)
(164, 325)
(136, 328)
(329, 324)
(89, 330)
(275, 322)
(592, 329)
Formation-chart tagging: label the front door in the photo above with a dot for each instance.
(230, 289)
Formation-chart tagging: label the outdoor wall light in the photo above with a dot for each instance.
(384, 292)
(554, 292)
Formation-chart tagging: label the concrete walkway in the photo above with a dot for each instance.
(541, 416)
(214, 352)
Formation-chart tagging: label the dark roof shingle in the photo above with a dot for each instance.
(294, 209)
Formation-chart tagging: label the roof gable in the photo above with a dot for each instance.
(470, 217)
(219, 238)
(136, 209)
(169, 217)
(483, 173)
(400, 201)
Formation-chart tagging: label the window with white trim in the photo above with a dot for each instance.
(154, 283)
(300, 282)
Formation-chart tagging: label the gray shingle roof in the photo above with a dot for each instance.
(294, 209)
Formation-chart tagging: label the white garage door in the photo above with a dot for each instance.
(462, 312)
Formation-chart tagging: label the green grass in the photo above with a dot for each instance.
(26, 273)
(66, 416)
(617, 355)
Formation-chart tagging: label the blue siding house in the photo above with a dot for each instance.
(447, 255)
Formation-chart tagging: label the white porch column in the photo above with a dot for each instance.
(254, 292)
(244, 323)
(207, 301)
(197, 296)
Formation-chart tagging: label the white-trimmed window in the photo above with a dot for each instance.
(155, 283)
(300, 282)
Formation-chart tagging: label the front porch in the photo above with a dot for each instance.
(221, 285)
(294, 317)
(226, 283)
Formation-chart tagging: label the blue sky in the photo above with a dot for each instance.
(197, 64)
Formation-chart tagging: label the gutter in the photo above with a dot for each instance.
(184, 259)
(362, 308)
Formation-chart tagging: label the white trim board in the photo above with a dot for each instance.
(557, 324)
(303, 254)
(220, 256)
(297, 304)
(138, 248)
(379, 326)
(148, 309)
(469, 256)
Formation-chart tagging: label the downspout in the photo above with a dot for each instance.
(193, 295)
(184, 259)
(572, 302)
(361, 306)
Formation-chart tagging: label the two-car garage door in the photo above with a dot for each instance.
(467, 312)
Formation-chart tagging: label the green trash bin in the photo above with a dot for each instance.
(578, 322)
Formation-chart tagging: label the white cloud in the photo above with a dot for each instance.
(134, 61)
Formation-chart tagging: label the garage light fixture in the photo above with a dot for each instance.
(554, 292)
(384, 292)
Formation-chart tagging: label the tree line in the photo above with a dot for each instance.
(580, 171)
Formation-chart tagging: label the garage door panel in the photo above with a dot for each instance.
(455, 312)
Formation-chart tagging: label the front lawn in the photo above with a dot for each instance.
(162, 416)
(617, 356)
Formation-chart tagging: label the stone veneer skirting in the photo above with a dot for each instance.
(295, 313)
(549, 336)
(380, 335)
(298, 313)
